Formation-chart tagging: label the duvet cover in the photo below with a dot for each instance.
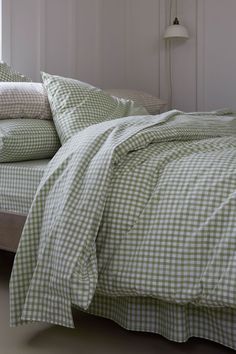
(134, 207)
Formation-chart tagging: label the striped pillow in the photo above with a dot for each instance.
(27, 139)
(23, 100)
(76, 105)
(9, 74)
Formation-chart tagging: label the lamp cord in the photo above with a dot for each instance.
(175, 6)
(169, 73)
(169, 57)
(170, 11)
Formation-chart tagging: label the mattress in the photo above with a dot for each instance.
(18, 184)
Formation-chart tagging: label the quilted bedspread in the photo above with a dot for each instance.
(138, 206)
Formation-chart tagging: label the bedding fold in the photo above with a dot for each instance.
(137, 206)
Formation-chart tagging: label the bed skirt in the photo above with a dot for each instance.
(174, 322)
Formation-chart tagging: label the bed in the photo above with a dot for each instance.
(133, 218)
(175, 321)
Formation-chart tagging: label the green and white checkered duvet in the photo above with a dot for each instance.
(18, 184)
(135, 208)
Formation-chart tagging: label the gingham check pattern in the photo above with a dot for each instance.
(135, 207)
(172, 321)
(9, 74)
(27, 139)
(18, 184)
(152, 104)
(23, 100)
(76, 105)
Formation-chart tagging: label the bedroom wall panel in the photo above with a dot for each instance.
(113, 41)
(110, 43)
(88, 41)
(184, 61)
(58, 21)
(119, 52)
(118, 43)
(204, 75)
(143, 45)
(217, 48)
(20, 34)
(43, 35)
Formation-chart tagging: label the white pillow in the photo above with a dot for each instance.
(152, 104)
(23, 100)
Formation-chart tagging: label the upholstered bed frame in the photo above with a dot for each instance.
(11, 226)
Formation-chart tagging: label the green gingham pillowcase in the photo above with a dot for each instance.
(76, 105)
(27, 139)
(9, 74)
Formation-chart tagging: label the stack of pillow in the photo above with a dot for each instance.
(35, 118)
(27, 131)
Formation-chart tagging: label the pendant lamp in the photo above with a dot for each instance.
(176, 31)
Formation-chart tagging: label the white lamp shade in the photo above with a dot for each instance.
(176, 31)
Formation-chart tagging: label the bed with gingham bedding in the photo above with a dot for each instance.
(134, 219)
